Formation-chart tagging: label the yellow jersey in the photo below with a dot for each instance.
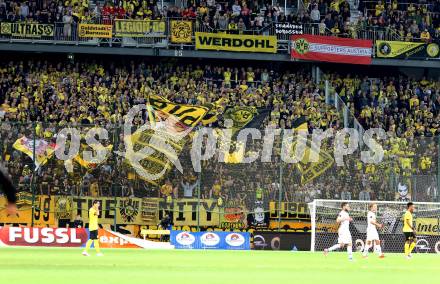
(407, 218)
(93, 219)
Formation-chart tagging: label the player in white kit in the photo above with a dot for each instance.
(344, 235)
(372, 235)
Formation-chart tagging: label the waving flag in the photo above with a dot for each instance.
(43, 150)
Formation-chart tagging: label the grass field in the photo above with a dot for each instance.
(66, 265)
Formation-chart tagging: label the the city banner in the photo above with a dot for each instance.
(24, 29)
(331, 49)
(210, 240)
(181, 31)
(140, 28)
(95, 30)
(230, 42)
(406, 50)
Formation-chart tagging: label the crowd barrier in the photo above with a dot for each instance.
(183, 33)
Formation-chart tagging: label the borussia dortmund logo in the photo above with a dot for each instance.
(301, 46)
(128, 209)
(432, 49)
(6, 28)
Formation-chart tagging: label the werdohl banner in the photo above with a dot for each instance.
(95, 30)
(139, 28)
(331, 49)
(27, 29)
(407, 50)
(210, 240)
(230, 42)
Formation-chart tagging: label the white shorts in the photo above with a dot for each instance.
(344, 238)
(372, 235)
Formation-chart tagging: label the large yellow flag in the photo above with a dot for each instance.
(43, 150)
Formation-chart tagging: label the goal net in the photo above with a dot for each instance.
(390, 214)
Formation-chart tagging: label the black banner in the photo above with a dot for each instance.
(282, 241)
(288, 29)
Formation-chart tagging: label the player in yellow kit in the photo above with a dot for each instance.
(408, 230)
(93, 229)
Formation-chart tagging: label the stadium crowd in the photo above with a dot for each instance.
(404, 21)
(54, 94)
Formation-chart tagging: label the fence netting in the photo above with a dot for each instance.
(226, 194)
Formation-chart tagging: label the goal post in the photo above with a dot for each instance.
(324, 231)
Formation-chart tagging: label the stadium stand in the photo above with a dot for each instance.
(54, 94)
(398, 21)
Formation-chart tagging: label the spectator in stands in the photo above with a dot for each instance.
(67, 20)
(315, 15)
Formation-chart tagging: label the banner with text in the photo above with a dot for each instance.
(331, 49)
(406, 50)
(288, 29)
(95, 30)
(140, 28)
(43, 214)
(27, 29)
(47, 237)
(230, 42)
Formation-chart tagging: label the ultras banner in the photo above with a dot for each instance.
(331, 49)
(229, 42)
(24, 29)
(406, 50)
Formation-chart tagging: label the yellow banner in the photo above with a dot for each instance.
(181, 31)
(43, 213)
(128, 210)
(140, 28)
(185, 212)
(95, 31)
(179, 118)
(311, 170)
(428, 226)
(229, 42)
(27, 29)
(398, 49)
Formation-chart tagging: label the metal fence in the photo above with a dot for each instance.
(68, 34)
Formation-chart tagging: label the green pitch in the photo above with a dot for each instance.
(66, 265)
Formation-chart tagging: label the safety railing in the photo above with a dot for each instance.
(157, 33)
